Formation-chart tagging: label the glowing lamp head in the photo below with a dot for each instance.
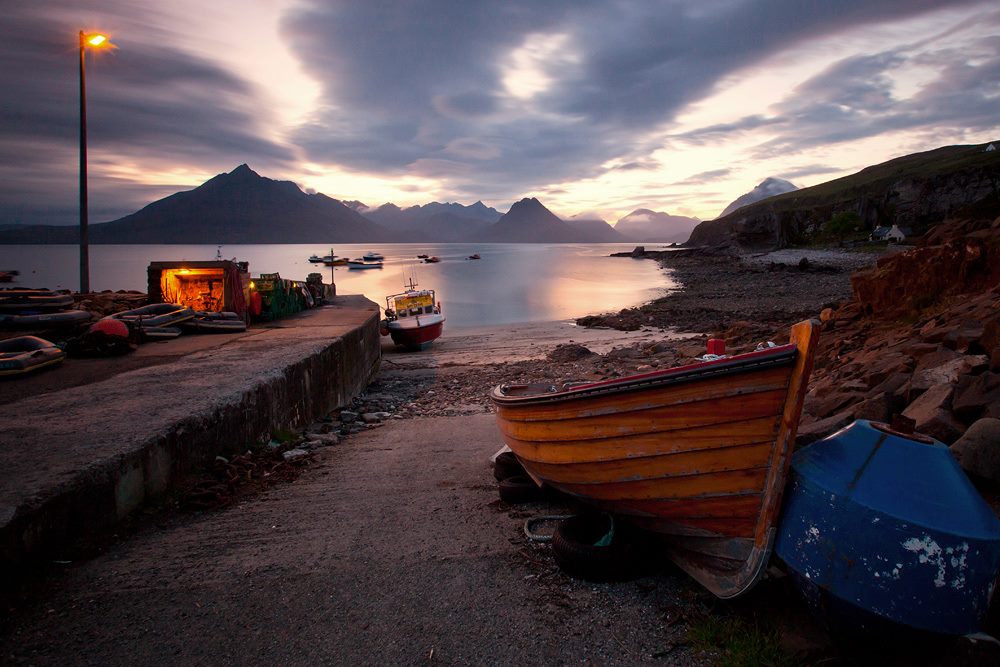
(95, 40)
(253, 285)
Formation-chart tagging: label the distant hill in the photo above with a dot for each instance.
(645, 225)
(915, 191)
(769, 187)
(595, 231)
(237, 207)
(448, 222)
(528, 221)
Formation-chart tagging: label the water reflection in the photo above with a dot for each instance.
(511, 283)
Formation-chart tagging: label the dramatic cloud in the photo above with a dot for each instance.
(595, 104)
(152, 108)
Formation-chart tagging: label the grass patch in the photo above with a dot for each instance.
(739, 642)
(284, 436)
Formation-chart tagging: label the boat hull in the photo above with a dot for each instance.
(878, 526)
(416, 337)
(697, 454)
(27, 354)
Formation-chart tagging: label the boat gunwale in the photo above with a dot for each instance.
(783, 355)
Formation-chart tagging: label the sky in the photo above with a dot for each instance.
(595, 107)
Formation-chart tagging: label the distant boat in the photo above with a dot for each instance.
(432, 260)
(358, 264)
(422, 256)
(325, 259)
(7, 276)
(372, 256)
(412, 318)
(476, 256)
(697, 454)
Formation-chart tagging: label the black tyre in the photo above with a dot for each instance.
(520, 489)
(573, 544)
(507, 465)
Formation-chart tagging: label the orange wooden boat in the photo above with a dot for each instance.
(698, 454)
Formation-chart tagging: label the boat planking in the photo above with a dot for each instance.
(697, 454)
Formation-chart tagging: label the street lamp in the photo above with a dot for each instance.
(96, 41)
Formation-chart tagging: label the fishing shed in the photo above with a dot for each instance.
(215, 286)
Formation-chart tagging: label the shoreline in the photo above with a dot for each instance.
(741, 297)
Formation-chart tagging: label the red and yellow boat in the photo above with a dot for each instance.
(413, 318)
(697, 454)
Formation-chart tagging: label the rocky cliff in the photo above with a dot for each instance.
(914, 191)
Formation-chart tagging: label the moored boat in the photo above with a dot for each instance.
(413, 318)
(433, 259)
(697, 454)
(372, 256)
(356, 264)
(882, 530)
(25, 354)
(475, 256)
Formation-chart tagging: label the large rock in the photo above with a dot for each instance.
(932, 414)
(978, 450)
(973, 397)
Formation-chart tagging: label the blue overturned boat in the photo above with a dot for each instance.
(881, 528)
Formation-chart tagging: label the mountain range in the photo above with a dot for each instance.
(242, 206)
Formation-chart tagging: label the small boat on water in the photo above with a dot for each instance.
(476, 256)
(881, 529)
(33, 300)
(316, 259)
(697, 454)
(422, 256)
(26, 354)
(372, 256)
(8, 276)
(413, 318)
(433, 259)
(359, 264)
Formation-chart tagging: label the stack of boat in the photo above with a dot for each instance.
(159, 321)
(38, 309)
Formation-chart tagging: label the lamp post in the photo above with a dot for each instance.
(94, 40)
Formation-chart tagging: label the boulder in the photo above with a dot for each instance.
(932, 414)
(569, 352)
(879, 408)
(820, 429)
(978, 450)
(973, 397)
(945, 373)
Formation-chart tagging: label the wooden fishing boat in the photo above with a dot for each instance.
(433, 259)
(372, 256)
(413, 318)
(882, 531)
(697, 454)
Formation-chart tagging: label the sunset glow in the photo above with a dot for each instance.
(602, 109)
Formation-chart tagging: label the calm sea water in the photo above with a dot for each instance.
(511, 283)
